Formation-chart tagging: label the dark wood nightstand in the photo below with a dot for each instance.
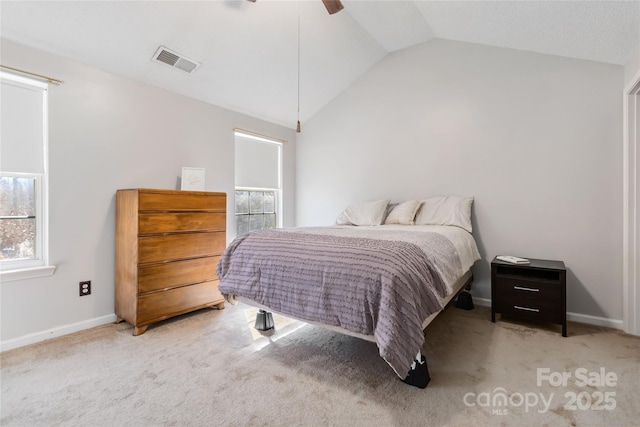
(535, 291)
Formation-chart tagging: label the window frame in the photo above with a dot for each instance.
(38, 266)
(279, 204)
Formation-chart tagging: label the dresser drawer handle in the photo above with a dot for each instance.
(536, 310)
(520, 288)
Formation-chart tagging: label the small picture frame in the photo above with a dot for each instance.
(192, 179)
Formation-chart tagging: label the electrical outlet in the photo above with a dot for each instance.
(85, 288)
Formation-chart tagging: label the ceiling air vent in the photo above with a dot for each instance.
(175, 60)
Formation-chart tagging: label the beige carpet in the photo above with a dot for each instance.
(208, 369)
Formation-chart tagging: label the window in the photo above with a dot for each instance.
(255, 210)
(23, 177)
(258, 198)
(18, 217)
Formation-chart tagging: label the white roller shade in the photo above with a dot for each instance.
(22, 120)
(257, 163)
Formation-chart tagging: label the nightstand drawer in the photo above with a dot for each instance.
(548, 311)
(527, 289)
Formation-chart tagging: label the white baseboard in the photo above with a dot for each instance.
(574, 317)
(483, 302)
(56, 332)
(110, 318)
(595, 320)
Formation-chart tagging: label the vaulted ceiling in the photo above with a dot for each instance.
(249, 51)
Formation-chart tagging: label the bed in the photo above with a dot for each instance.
(383, 283)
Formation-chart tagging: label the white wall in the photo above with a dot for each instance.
(106, 133)
(535, 138)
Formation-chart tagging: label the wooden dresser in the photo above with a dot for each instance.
(168, 244)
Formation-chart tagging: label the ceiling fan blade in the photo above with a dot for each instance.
(333, 6)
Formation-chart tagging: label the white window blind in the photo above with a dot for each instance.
(23, 178)
(257, 162)
(22, 114)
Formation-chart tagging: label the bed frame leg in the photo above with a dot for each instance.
(418, 376)
(264, 321)
(464, 300)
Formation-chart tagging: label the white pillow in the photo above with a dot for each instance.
(364, 213)
(404, 213)
(446, 210)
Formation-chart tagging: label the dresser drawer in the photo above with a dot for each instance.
(171, 274)
(188, 221)
(162, 305)
(181, 201)
(180, 246)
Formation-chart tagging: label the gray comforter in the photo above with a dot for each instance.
(380, 287)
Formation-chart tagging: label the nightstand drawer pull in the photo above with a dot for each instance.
(517, 307)
(520, 288)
